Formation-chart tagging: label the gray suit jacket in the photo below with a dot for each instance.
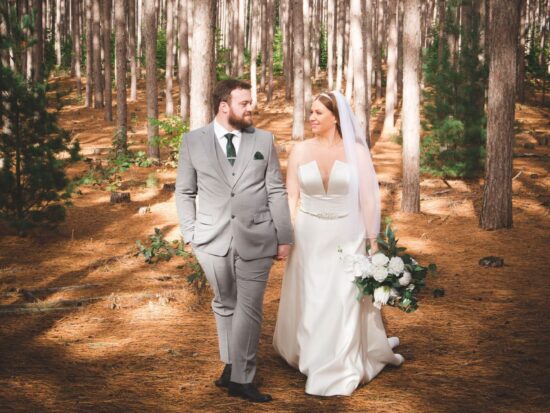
(246, 202)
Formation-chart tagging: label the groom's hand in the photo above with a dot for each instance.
(282, 252)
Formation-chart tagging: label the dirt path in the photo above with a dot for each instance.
(140, 342)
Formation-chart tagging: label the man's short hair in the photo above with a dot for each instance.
(223, 89)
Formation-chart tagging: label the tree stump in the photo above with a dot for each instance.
(169, 187)
(120, 197)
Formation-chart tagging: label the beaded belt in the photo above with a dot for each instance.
(325, 215)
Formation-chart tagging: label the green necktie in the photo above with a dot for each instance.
(231, 152)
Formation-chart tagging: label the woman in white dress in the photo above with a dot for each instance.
(337, 341)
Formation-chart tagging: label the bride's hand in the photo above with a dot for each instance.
(373, 246)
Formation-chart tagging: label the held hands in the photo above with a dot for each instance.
(282, 252)
(373, 246)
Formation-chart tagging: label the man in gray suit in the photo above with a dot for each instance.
(233, 210)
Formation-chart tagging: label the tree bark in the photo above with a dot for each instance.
(107, 12)
(183, 59)
(520, 81)
(150, 32)
(263, 73)
(121, 144)
(132, 48)
(410, 114)
(340, 29)
(202, 56)
(358, 65)
(240, 55)
(298, 36)
(269, 49)
(169, 73)
(391, 86)
(57, 36)
(378, 55)
(331, 37)
(96, 27)
(306, 57)
(286, 23)
(89, 54)
(496, 210)
(254, 51)
(38, 59)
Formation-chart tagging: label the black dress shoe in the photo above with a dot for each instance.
(248, 392)
(224, 379)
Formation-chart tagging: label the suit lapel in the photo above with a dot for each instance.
(246, 149)
(211, 147)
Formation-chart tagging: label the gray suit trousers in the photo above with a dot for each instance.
(238, 321)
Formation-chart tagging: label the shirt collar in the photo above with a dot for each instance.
(220, 131)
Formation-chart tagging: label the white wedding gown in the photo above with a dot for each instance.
(322, 329)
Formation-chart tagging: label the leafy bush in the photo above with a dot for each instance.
(174, 128)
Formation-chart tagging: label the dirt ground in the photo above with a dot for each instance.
(134, 338)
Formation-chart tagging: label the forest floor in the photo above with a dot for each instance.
(133, 337)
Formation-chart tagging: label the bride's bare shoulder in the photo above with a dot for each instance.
(300, 148)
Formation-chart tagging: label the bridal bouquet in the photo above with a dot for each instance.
(389, 276)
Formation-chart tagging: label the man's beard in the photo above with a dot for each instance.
(239, 123)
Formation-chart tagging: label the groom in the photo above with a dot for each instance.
(233, 210)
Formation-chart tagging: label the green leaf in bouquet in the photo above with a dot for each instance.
(401, 249)
(432, 268)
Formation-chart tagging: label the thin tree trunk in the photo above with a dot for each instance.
(58, 32)
(286, 22)
(263, 73)
(107, 12)
(391, 98)
(520, 81)
(150, 32)
(169, 73)
(240, 54)
(121, 144)
(306, 58)
(410, 113)
(183, 62)
(89, 54)
(38, 58)
(357, 37)
(202, 49)
(132, 48)
(254, 51)
(368, 39)
(96, 27)
(331, 34)
(340, 29)
(379, 37)
(496, 211)
(298, 36)
(269, 49)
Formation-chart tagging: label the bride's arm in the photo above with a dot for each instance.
(292, 183)
(369, 197)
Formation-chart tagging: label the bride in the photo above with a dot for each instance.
(322, 329)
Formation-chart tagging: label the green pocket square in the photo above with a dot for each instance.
(258, 155)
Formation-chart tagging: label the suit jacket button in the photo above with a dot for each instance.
(232, 216)
(233, 174)
(232, 194)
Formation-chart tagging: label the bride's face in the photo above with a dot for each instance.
(321, 119)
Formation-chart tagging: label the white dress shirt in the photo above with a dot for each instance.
(220, 132)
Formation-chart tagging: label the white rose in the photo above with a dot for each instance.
(396, 265)
(405, 279)
(381, 296)
(367, 268)
(410, 287)
(379, 259)
(380, 274)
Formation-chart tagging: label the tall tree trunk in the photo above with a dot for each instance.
(202, 49)
(520, 81)
(96, 27)
(357, 34)
(286, 22)
(183, 59)
(331, 41)
(58, 32)
(298, 36)
(269, 50)
(150, 32)
(340, 34)
(441, 31)
(169, 73)
(496, 210)
(89, 54)
(132, 48)
(391, 97)
(76, 45)
(121, 144)
(410, 113)
(240, 55)
(254, 51)
(263, 73)
(38, 58)
(368, 39)
(306, 57)
(107, 12)
(379, 36)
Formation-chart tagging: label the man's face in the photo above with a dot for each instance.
(240, 109)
